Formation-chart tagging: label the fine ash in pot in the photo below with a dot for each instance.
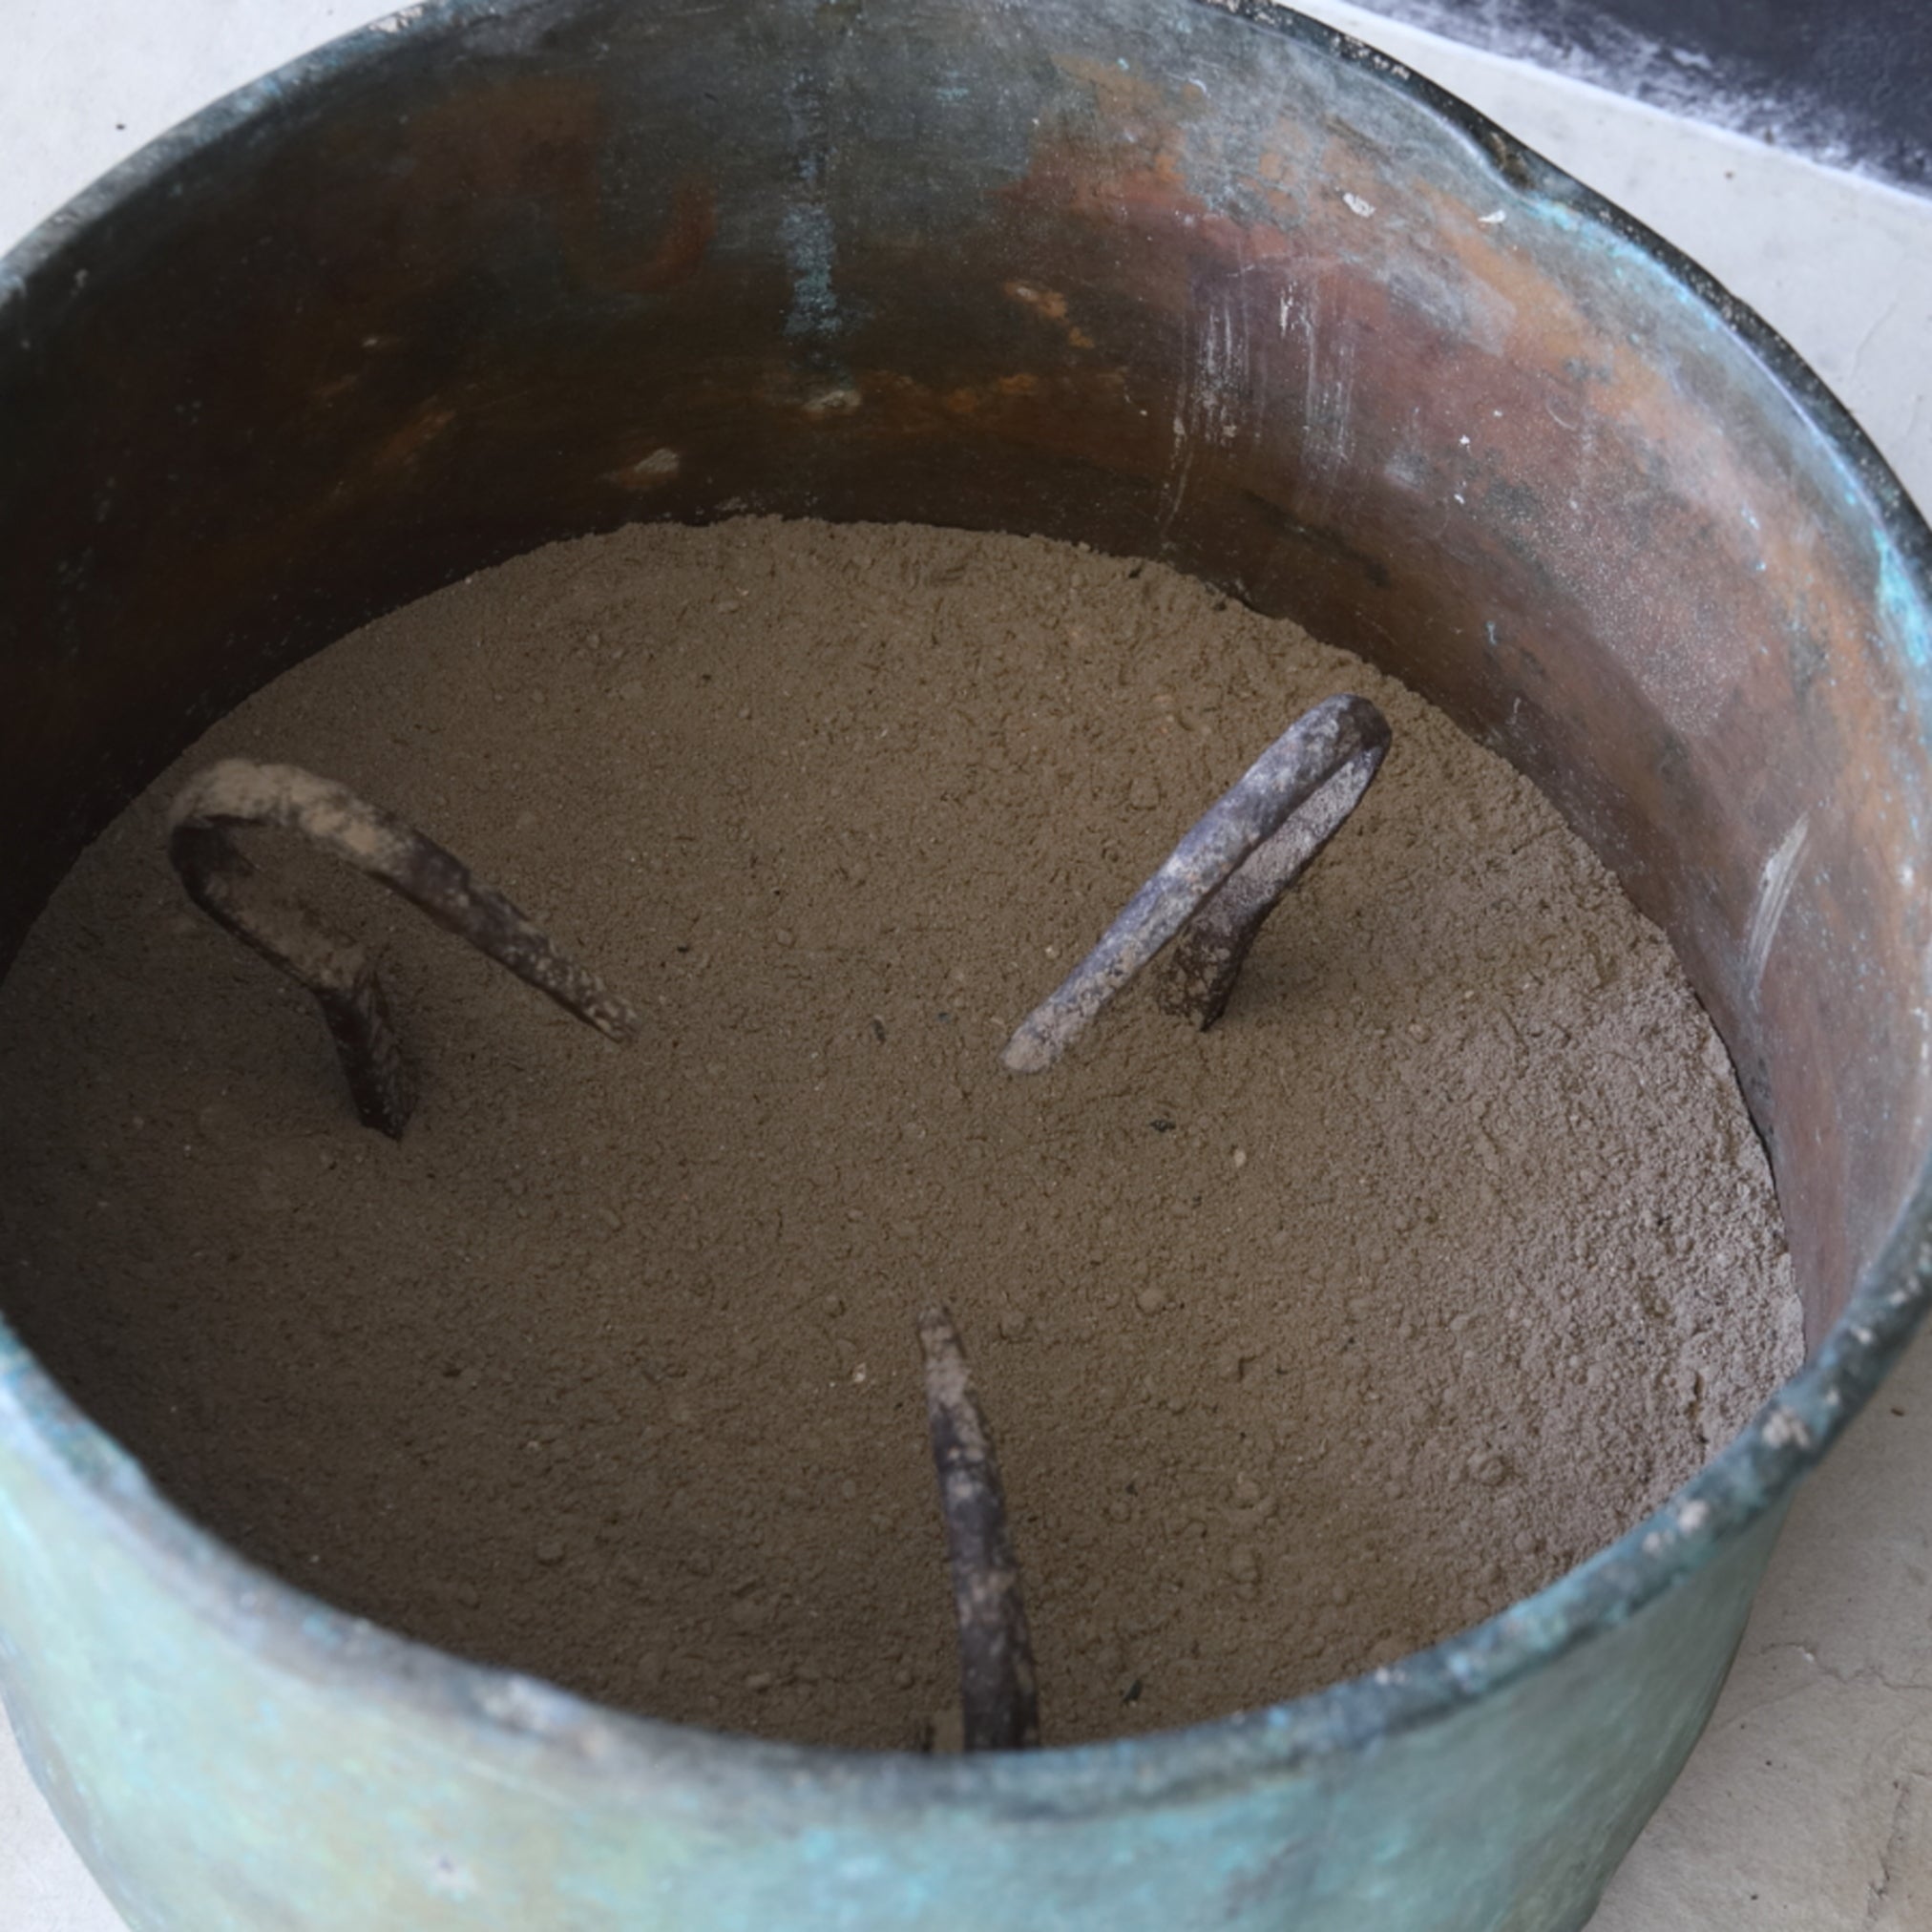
(1308, 1339)
(1208, 898)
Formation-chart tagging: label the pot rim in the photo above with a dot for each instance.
(632, 1757)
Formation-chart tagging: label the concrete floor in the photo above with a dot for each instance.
(1809, 1803)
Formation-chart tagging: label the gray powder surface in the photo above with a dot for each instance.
(1304, 1341)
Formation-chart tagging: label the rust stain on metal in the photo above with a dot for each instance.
(421, 430)
(682, 250)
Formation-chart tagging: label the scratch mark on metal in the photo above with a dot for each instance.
(1774, 895)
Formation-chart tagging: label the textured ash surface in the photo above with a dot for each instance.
(1306, 1341)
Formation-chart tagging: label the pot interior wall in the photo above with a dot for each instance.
(1154, 277)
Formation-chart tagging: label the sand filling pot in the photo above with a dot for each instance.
(1166, 281)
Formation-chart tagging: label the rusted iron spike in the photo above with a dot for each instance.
(225, 883)
(998, 1694)
(1220, 881)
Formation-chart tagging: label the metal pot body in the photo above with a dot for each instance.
(1159, 276)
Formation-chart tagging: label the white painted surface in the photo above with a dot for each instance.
(1809, 1804)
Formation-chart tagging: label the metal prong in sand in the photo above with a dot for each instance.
(997, 1695)
(225, 883)
(1220, 881)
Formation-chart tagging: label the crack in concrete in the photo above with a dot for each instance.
(1864, 1677)
(1878, 1891)
(1863, 1674)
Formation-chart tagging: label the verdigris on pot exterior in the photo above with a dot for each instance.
(1214, 285)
